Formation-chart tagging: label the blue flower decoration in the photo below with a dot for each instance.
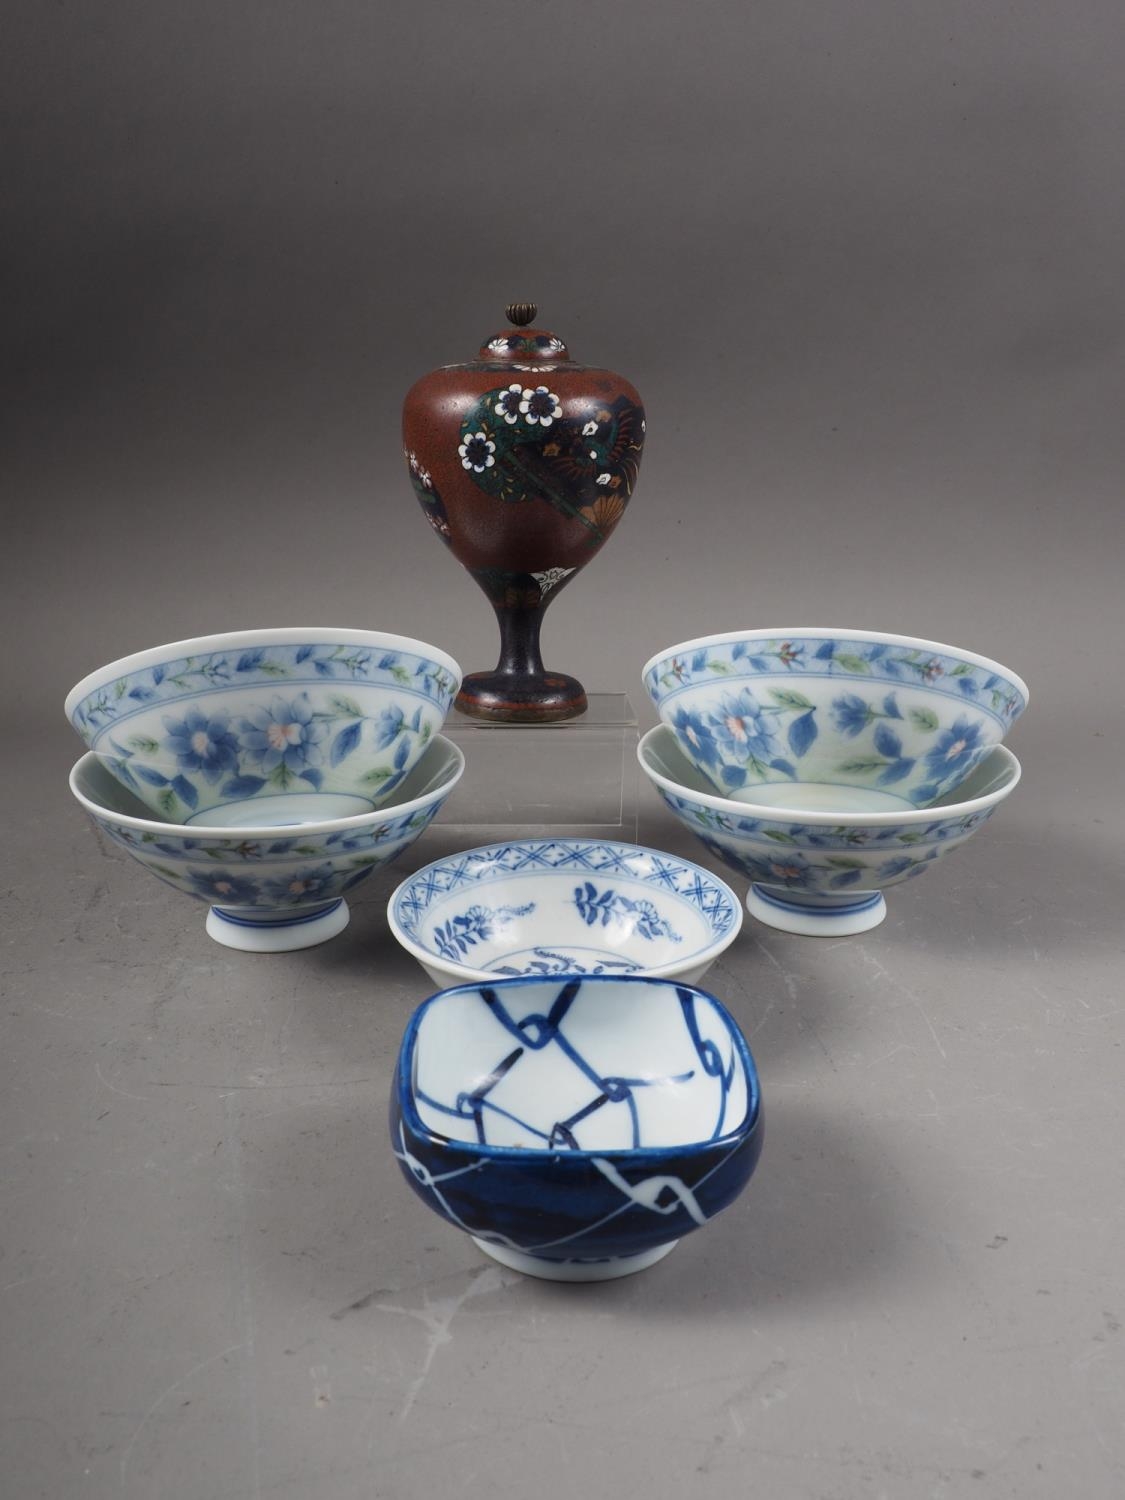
(694, 729)
(202, 744)
(285, 734)
(301, 885)
(955, 749)
(851, 713)
(790, 870)
(223, 888)
(741, 729)
(388, 726)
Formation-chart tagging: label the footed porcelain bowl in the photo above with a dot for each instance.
(576, 1128)
(832, 720)
(563, 906)
(266, 726)
(823, 874)
(272, 889)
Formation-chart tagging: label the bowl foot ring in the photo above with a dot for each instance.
(276, 932)
(807, 920)
(573, 1270)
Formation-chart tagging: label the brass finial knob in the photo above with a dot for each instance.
(521, 313)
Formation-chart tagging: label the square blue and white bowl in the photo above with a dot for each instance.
(259, 727)
(576, 1128)
(563, 906)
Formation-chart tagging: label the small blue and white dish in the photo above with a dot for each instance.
(563, 906)
(266, 726)
(576, 1128)
(272, 889)
(832, 720)
(822, 874)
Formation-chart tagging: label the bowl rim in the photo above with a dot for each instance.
(747, 1125)
(821, 819)
(274, 635)
(213, 831)
(839, 632)
(468, 977)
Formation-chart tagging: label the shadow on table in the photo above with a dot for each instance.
(1009, 892)
(819, 1222)
(816, 1224)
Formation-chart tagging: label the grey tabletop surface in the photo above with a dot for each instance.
(216, 1284)
(863, 262)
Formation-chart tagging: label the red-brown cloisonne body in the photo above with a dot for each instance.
(523, 462)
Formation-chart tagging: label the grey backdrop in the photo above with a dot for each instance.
(864, 262)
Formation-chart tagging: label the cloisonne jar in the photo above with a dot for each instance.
(524, 463)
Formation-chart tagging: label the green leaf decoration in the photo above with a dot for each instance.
(273, 669)
(862, 766)
(344, 707)
(373, 778)
(401, 675)
(142, 742)
(924, 719)
(911, 838)
(281, 776)
(962, 670)
(845, 862)
(120, 688)
(779, 837)
(724, 668)
(167, 873)
(553, 464)
(167, 802)
(789, 699)
(853, 663)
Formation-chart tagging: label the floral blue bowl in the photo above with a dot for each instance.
(832, 720)
(271, 890)
(577, 1128)
(563, 906)
(823, 874)
(266, 726)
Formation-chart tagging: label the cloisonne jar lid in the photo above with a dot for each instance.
(524, 462)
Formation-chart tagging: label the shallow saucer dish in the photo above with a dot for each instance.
(271, 889)
(576, 1128)
(832, 720)
(563, 906)
(277, 726)
(823, 874)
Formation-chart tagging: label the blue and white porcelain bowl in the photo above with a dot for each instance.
(563, 906)
(823, 874)
(832, 720)
(576, 1128)
(271, 890)
(266, 726)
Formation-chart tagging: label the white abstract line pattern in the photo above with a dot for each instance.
(647, 1193)
(642, 1194)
